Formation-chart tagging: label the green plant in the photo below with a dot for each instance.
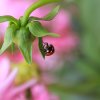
(26, 29)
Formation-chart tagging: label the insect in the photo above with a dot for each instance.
(48, 49)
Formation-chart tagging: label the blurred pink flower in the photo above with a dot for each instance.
(5, 79)
(7, 89)
(40, 92)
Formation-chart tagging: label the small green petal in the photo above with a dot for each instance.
(9, 18)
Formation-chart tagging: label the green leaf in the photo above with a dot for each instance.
(38, 31)
(40, 44)
(9, 18)
(8, 38)
(52, 14)
(48, 17)
(25, 40)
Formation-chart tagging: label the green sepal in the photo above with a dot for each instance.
(48, 17)
(9, 18)
(40, 45)
(8, 39)
(24, 41)
(38, 31)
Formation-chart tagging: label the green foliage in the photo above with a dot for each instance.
(52, 14)
(47, 17)
(24, 42)
(37, 30)
(33, 7)
(9, 18)
(23, 32)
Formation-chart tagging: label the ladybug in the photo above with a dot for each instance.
(48, 49)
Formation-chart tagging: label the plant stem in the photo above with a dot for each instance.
(33, 7)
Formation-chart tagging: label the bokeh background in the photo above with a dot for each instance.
(73, 71)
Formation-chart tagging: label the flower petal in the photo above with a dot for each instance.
(15, 91)
(5, 84)
(4, 68)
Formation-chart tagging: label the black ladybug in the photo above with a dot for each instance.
(48, 49)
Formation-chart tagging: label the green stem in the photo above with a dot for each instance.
(33, 7)
(9, 18)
